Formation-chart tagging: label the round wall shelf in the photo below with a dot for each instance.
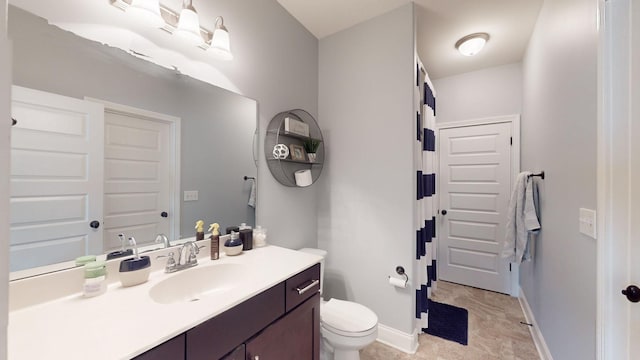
(293, 128)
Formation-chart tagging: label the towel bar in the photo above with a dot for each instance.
(540, 174)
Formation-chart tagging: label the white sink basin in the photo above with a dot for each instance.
(197, 283)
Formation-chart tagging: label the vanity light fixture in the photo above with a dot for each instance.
(220, 44)
(471, 44)
(147, 11)
(188, 24)
(185, 25)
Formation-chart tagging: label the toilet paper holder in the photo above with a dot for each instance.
(400, 271)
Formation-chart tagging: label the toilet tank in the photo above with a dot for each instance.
(323, 254)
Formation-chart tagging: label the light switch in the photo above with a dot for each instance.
(191, 195)
(588, 222)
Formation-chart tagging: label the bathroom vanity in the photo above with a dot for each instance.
(270, 310)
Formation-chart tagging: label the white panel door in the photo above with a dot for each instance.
(475, 183)
(138, 177)
(619, 182)
(56, 178)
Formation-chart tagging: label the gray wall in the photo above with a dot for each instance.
(559, 136)
(217, 125)
(276, 63)
(5, 112)
(479, 94)
(366, 193)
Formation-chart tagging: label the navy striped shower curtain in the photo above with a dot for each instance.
(425, 222)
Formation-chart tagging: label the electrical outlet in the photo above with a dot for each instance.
(587, 221)
(191, 195)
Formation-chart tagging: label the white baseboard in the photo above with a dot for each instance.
(404, 342)
(538, 339)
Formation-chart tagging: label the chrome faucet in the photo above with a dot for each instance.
(187, 257)
(163, 239)
(188, 253)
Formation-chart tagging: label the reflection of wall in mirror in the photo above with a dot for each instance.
(217, 125)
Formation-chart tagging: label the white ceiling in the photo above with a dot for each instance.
(440, 24)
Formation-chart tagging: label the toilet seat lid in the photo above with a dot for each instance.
(347, 316)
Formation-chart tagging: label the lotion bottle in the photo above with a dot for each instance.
(215, 241)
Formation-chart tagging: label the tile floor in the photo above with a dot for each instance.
(495, 331)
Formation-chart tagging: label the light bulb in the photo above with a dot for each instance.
(147, 12)
(189, 26)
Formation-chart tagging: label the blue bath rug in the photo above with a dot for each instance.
(448, 322)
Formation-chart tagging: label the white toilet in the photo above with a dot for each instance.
(345, 326)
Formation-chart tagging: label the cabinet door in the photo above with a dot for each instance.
(170, 350)
(218, 336)
(296, 336)
(237, 354)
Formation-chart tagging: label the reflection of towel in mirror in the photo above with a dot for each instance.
(252, 195)
(522, 219)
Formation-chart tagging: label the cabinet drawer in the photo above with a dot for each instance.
(221, 334)
(302, 286)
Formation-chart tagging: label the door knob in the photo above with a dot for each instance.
(632, 293)
(94, 224)
(443, 212)
(164, 214)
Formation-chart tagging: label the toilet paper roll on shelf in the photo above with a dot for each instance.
(303, 178)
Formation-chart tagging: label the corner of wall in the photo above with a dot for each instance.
(5, 131)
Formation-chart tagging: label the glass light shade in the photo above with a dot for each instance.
(472, 44)
(147, 12)
(221, 45)
(189, 27)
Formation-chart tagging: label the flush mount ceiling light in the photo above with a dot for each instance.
(185, 25)
(189, 24)
(472, 44)
(220, 44)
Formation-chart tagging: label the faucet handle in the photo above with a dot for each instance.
(171, 262)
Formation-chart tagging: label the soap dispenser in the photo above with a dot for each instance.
(199, 230)
(215, 241)
(233, 246)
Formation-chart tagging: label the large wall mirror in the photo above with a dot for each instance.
(216, 131)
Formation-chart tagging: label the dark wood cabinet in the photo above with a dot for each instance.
(293, 337)
(237, 354)
(218, 336)
(281, 323)
(172, 349)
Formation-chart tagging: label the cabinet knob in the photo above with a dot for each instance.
(443, 212)
(94, 224)
(164, 214)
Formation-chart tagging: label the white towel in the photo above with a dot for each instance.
(252, 195)
(522, 220)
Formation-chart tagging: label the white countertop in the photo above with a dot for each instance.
(126, 322)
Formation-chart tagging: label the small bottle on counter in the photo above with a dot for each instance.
(246, 235)
(95, 278)
(199, 230)
(215, 241)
